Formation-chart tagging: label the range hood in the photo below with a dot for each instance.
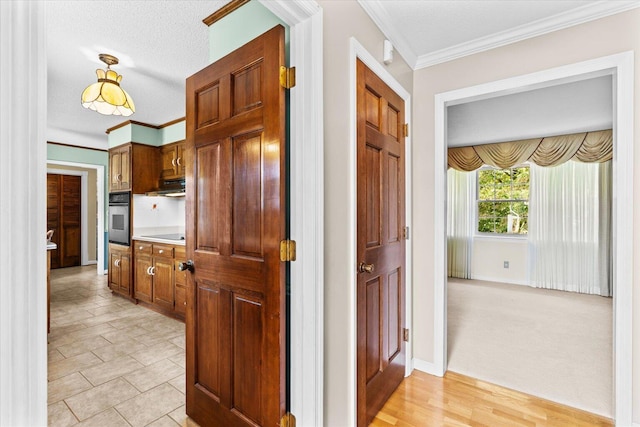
(172, 188)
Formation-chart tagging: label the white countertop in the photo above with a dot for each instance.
(142, 233)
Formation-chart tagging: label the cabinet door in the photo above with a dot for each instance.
(125, 168)
(168, 162)
(125, 274)
(181, 287)
(180, 160)
(181, 300)
(163, 282)
(114, 270)
(115, 163)
(143, 283)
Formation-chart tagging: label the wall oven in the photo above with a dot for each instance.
(119, 218)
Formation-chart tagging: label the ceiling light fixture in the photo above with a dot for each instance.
(106, 96)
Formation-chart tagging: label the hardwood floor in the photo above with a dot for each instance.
(456, 400)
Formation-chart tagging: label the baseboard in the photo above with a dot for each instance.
(427, 367)
(92, 262)
(499, 280)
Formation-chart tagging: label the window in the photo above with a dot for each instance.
(503, 200)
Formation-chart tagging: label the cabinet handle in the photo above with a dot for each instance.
(173, 162)
(119, 177)
(149, 270)
(161, 251)
(141, 247)
(117, 263)
(185, 303)
(153, 270)
(178, 161)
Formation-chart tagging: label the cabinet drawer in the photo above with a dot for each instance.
(180, 252)
(142, 248)
(162, 250)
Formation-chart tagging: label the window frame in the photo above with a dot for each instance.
(476, 200)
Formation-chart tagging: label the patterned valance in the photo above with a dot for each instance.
(587, 147)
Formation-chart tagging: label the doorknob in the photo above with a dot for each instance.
(366, 268)
(186, 266)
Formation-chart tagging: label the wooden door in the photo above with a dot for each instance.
(380, 243)
(64, 217)
(235, 320)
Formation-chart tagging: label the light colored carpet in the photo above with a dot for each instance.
(551, 344)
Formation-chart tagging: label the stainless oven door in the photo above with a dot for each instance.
(119, 224)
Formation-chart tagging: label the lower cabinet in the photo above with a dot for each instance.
(181, 282)
(158, 280)
(120, 269)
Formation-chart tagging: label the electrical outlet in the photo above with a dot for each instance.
(506, 264)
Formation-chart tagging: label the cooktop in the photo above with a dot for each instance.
(171, 236)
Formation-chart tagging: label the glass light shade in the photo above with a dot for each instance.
(106, 96)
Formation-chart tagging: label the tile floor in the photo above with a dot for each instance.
(111, 362)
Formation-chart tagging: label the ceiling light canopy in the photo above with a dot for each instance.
(106, 96)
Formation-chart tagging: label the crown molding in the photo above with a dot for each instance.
(379, 16)
(590, 12)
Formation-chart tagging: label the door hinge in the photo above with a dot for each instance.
(406, 130)
(405, 334)
(288, 420)
(287, 77)
(405, 233)
(287, 250)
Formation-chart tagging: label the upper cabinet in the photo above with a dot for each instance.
(173, 161)
(134, 167)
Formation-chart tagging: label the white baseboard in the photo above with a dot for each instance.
(427, 367)
(92, 262)
(500, 280)
(636, 425)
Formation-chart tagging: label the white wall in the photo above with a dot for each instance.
(489, 255)
(607, 36)
(158, 211)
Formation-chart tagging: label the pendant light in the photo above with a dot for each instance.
(106, 96)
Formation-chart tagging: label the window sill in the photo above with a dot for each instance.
(502, 237)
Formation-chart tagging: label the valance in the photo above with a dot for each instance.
(586, 147)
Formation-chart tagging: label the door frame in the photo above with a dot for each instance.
(306, 130)
(621, 67)
(358, 51)
(101, 207)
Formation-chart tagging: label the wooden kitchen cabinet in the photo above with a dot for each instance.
(158, 282)
(134, 167)
(120, 269)
(180, 307)
(173, 160)
(162, 272)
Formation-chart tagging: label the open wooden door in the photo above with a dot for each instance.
(380, 243)
(235, 321)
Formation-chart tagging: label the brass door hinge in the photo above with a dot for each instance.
(405, 233)
(288, 420)
(287, 77)
(405, 334)
(406, 130)
(287, 250)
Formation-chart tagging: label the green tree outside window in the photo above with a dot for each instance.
(503, 200)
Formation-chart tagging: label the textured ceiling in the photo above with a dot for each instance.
(159, 44)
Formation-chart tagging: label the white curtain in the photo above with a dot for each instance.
(570, 227)
(460, 192)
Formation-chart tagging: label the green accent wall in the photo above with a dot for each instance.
(147, 135)
(173, 133)
(240, 27)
